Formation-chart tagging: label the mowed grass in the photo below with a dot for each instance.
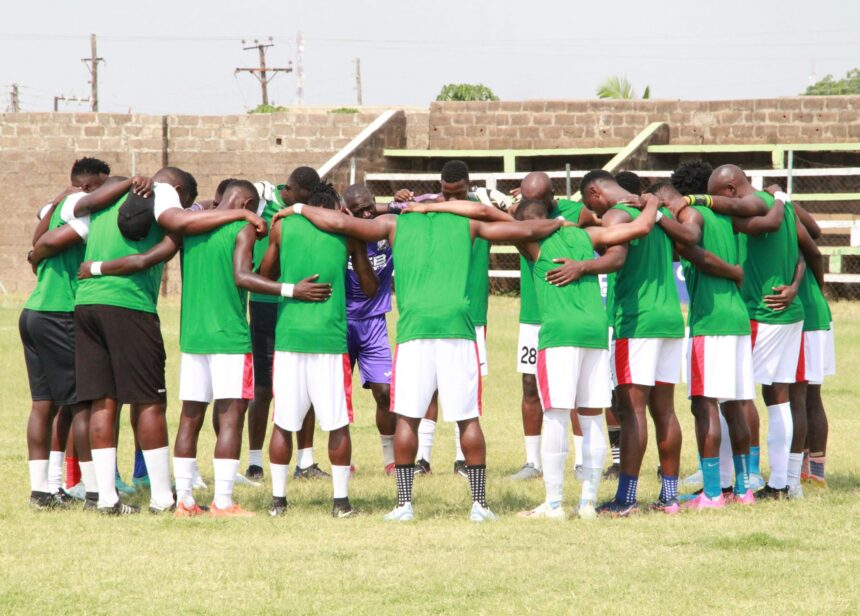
(800, 556)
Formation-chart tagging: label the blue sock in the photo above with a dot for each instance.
(755, 456)
(711, 477)
(669, 489)
(742, 477)
(139, 465)
(626, 492)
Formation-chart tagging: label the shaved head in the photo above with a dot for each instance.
(537, 185)
(729, 180)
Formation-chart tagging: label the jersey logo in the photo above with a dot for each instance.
(382, 245)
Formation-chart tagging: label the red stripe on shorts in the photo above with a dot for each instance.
(347, 386)
(393, 380)
(248, 377)
(753, 332)
(622, 361)
(800, 375)
(697, 366)
(543, 380)
(480, 385)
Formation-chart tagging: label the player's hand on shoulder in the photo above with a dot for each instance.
(260, 226)
(634, 201)
(415, 208)
(404, 194)
(308, 290)
(569, 271)
(773, 189)
(283, 213)
(141, 185)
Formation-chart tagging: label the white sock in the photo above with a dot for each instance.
(779, 432)
(387, 441)
(183, 473)
(458, 454)
(533, 451)
(305, 457)
(577, 450)
(279, 473)
(88, 476)
(255, 457)
(593, 456)
(426, 431)
(795, 463)
(340, 481)
(727, 464)
(225, 475)
(158, 468)
(104, 461)
(55, 470)
(39, 475)
(556, 423)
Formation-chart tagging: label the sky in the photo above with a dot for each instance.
(179, 56)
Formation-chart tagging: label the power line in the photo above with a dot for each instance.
(262, 72)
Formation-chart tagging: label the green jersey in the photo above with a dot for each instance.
(432, 253)
(572, 315)
(136, 291)
(716, 305)
(479, 280)
(529, 312)
(769, 260)
(57, 276)
(213, 307)
(816, 311)
(262, 245)
(312, 327)
(645, 298)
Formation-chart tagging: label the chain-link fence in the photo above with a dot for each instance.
(830, 194)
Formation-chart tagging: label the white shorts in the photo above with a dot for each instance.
(720, 367)
(646, 361)
(481, 339)
(323, 380)
(219, 376)
(685, 377)
(776, 350)
(527, 348)
(816, 358)
(574, 377)
(450, 365)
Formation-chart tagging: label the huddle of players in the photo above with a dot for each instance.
(99, 343)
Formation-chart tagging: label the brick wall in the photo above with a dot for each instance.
(594, 123)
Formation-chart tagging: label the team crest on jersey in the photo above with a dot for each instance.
(382, 245)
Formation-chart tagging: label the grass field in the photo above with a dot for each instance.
(799, 556)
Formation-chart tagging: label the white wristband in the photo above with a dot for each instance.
(782, 196)
(96, 268)
(287, 289)
(297, 208)
(658, 217)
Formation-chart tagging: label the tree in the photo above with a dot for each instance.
(833, 87)
(466, 92)
(261, 108)
(619, 87)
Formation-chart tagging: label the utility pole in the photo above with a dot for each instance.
(300, 69)
(69, 99)
(262, 72)
(358, 81)
(93, 65)
(14, 103)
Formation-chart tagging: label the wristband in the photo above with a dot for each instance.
(782, 196)
(297, 208)
(96, 268)
(659, 216)
(287, 290)
(689, 199)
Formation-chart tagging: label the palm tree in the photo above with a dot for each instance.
(619, 87)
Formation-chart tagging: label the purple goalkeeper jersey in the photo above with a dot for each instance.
(358, 305)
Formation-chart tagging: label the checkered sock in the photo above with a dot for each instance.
(405, 474)
(478, 483)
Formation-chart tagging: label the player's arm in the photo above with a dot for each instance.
(587, 218)
(373, 230)
(162, 252)
(516, 231)
(625, 232)
(109, 192)
(785, 294)
(686, 230)
(270, 266)
(243, 262)
(749, 205)
(185, 222)
(45, 213)
(758, 225)
(804, 216)
(811, 252)
(707, 262)
(612, 259)
(467, 209)
(367, 278)
(52, 242)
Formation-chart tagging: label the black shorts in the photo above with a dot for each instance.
(119, 353)
(49, 352)
(264, 316)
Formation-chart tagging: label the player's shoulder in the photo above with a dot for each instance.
(617, 214)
